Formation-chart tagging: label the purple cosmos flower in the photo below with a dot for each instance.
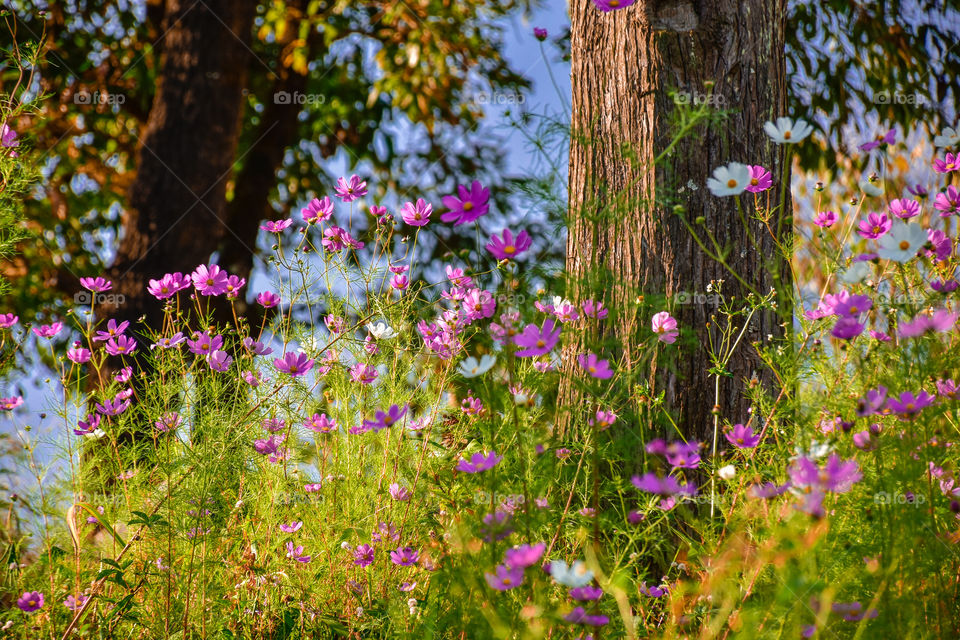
(890, 137)
(836, 476)
(320, 423)
(317, 211)
(405, 556)
(873, 402)
(30, 601)
(75, 604)
(683, 455)
(276, 226)
(909, 405)
(594, 366)
(603, 419)
(350, 190)
(536, 341)
(479, 462)
(948, 202)
(471, 204)
(96, 285)
(296, 364)
(170, 421)
(524, 556)
(169, 342)
(667, 486)
(219, 361)
(209, 280)
(825, 219)
(120, 346)
(386, 419)
(504, 577)
(847, 329)
(48, 330)
(665, 326)
(506, 247)
(586, 593)
(113, 330)
(113, 407)
(78, 354)
(363, 373)
(398, 493)
(947, 388)
(89, 426)
(268, 446)
(256, 347)
(949, 163)
(612, 5)
(653, 592)
(8, 139)
(416, 214)
(768, 490)
(363, 555)
(742, 437)
(579, 615)
(851, 306)
(905, 208)
(296, 552)
(234, 284)
(876, 225)
(760, 179)
(496, 526)
(293, 527)
(941, 321)
(204, 344)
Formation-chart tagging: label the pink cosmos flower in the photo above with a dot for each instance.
(742, 437)
(471, 204)
(78, 354)
(320, 423)
(7, 320)
(256, 347)
(11, 403)
(592, 309)
(478, 462)
(665, 326)
(319, 210)
(268, 299)
(168, 285)
(524, 556)
(399, 282)
(276, 226)
(209, 280)
(603, 419)
(851, 306)
(666, 486)
(48, 330)
(96, 285)
(905, 208)
(8, 139)
(416, 215)
(825, 219)
(121, 345)
(949, 163)
(875, 225)
(536, 341)
(596, 367)
(363, 555)
(478, 304)
(948, 202)
(363, 373)
(296, 364)
(350, 190)
(293, 527)
(75, 603)
(504, 577)
(169, 421)
(506, 247)
(296, 553)
(114, 329)
(219, 361)
(941, 321)
(760, 179)
(234, 283)
(204, 344)
(405, 556)
(398, 493)
(612, 5)
(113, 407)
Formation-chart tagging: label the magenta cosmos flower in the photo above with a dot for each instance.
(386, 419)
(909, 405)
(363, 555)
(30, 601)
(405, 556)
(949, 163)
(666, 486)
(825, 219)
(168, 285)
(506, 247)
(363, 373)
(536, 341)
(350, 190)
(479, 462)
(296, 364)
(876, 225)
(760, 179)
(48, 330)
(276, 226)
(612, 5)
(948, 202)
(293, 527)
(318, 210)
(905, 208)
(11, 403)
(504, 577)
(524, 556)
(742, 437)
(296, 552)
(320, 423)
(596, 367)
(96, 285)
(941, 321)
(665, 326)
(890, 137)
(268, 299)
(7, 320)
(416, 214)
(121, 346)
(209, 280)
(468, 205)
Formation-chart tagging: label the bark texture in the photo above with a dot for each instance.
(624, 63)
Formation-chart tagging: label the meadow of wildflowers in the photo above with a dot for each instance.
(373, 454)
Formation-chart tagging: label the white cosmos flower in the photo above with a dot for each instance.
(947, 138)
(728, 472)
(816, 451)
(872, 185)
(729, 180)
(573, 576)
(471, 367)
(786, 131)
(902, 243)
(856, 273)
(381, 330)
(560, 302)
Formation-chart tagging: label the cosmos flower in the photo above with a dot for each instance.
(75, 603)
(504, 577)
(666, 486)
(416, 214)
(760, 179)
(742, 437)
(11, 403)
(350, 190)
(875, 225)
(478, 304)
(468, 205)
(293, 527)
(873, 403)
(890, 137)
(575, 575)
(506, 247)
(729, 180)
(399, 493)
(8, 139)
(296, 364)
(268, 299)
(170, 421)
(849, 305)
(612, 5)
(665, 326)
(579, 615)
(168, 285)
(909, 405)
(78, 354)
(902, 243)
(949, 163)
(524, 556)
(536, 341)
(113, 407)
(592, 309)
(121, 345)
(405, 556)
(318, 210)
(948, 202)
(596, 367)
(948, 137)
(276, 226)
(209, 280)
(7, 320)
(941, 321)
(540, 33)
(219, 360)
(204, 344)
(905, 208)
(825, 219)
(320, 423)
(847, 329)
(471, 368)
(30, 601)
(295, 552)
(381, 331)
(787, 131)
(96, 285)
(363, 555)
(48, 330)
(386, 419)
(88, 427)
(363, 373)
(478, 462)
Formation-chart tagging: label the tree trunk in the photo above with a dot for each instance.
(176, 214)
(624, 64)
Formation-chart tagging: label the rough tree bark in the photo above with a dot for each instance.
(177, 203)
(624, 63)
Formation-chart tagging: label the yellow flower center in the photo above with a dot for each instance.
(510, 249)
(468, 206)
(904, 245)
(786, 135)
(731, 183)
(541, 344)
